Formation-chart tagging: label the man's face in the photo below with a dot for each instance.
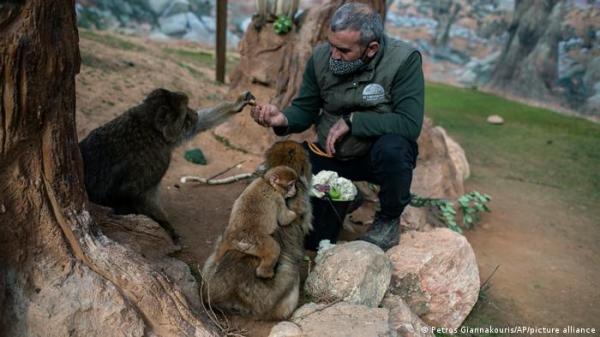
(345, 45)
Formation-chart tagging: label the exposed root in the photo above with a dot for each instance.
(220, 320)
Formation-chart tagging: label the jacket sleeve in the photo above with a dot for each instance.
(407, 113)
(305, 107)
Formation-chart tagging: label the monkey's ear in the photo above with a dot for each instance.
(179, 101)
(158, 93)
(274, 180)
(166, 121)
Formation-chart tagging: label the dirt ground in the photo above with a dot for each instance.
(547, 251)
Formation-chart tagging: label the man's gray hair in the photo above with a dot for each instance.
(361, 18)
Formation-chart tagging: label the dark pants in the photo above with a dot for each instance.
(389, 164)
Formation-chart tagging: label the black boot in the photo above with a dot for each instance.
(385, 232)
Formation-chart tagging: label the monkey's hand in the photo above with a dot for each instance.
(246, 98)
(298, 205)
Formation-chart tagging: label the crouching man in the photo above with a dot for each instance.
(364, 92)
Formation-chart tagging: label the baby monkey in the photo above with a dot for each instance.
(255, 216)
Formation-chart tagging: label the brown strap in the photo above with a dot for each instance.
(315, 148)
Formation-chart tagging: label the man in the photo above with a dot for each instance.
(364, 93)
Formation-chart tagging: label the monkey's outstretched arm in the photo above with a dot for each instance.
(211, 117)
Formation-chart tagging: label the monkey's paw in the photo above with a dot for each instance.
(246, 98)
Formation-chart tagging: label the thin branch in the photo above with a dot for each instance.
(226, 170)
(209, 181)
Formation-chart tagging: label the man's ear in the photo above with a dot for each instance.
(372, 49)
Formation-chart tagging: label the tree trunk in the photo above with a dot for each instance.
(279, 61)
(528, 64)
(446, 18)
(59, 275)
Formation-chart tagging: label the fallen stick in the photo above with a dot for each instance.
(209, 181)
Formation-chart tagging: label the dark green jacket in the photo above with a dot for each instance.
(397, 109)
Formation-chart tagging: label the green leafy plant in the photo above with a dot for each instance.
(470, 205)
(282, 25)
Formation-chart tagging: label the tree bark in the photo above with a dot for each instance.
(59, 275)
(527, 66)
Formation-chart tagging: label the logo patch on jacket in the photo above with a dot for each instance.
(373, 92)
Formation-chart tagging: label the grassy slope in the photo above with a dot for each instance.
(534, 145)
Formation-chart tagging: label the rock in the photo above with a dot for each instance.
(437, 179)
(495, 119)
(436, 274)
(414, 218)
(342, 320)
(468, 77)
(156, 34)
(174, 25)
(592, 105)
(286, 329)
(158, 6)
(356, 272)
(403, 320)
(176, 7)
(209, 22)
(436, 175)
(457, 155)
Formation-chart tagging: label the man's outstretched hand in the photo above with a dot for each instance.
(337, 131)
(268, 115)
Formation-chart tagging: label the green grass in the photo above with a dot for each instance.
(202, 58)
(188, 57)
(534, 145)
(110, 40)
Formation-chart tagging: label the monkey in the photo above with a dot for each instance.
(232, 285)
(255, 216)
(125, 159)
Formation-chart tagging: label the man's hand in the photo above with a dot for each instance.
(337, 131)
(268, 115)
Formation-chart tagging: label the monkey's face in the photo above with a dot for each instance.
(291, 189)
(172, 116)
(283, 179)
(292, 154)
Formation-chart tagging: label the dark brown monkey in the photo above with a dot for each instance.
(256, 214)
(125, 159)
(232, 285)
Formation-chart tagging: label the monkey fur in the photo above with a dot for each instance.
(125, 159)
(256, 214)
(232, 285)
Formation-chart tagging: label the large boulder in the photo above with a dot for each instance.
(457, 155)
(356, 272)
(403, 320)
(339, 320)
(436, 274)
(436, 174)
(174, 25)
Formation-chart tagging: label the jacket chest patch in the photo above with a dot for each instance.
(373, 92)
